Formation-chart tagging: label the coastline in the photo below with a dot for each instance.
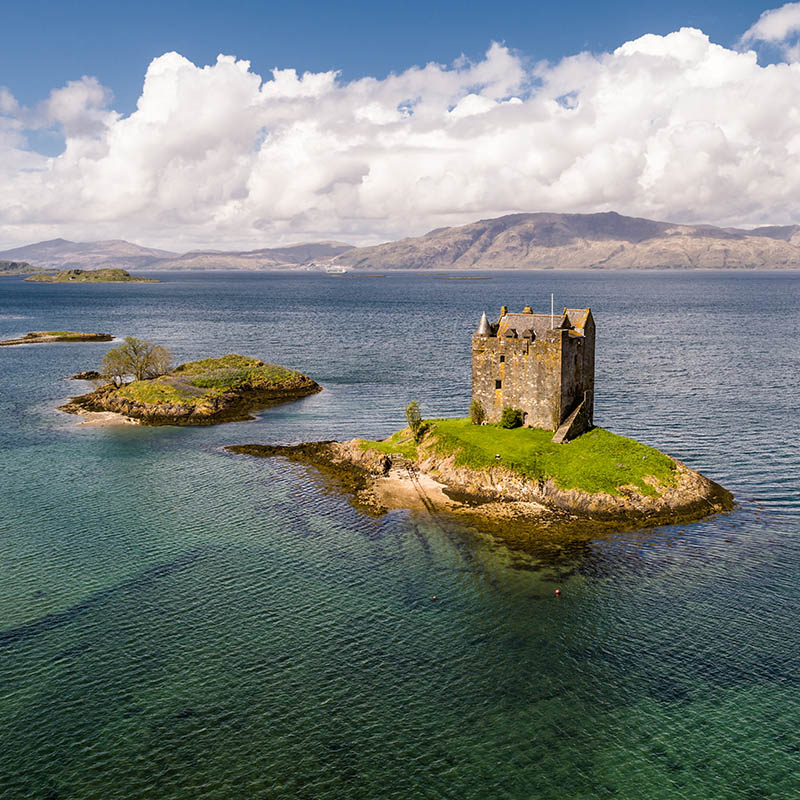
(377, 483)
(207, 392)
(103, 419)
(47, 337)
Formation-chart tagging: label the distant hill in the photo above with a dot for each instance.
(13, 268)
(515, 241)
(63, 254)
(608, 240)
(292, 255)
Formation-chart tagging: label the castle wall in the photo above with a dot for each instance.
(577, 372)
(529, 376)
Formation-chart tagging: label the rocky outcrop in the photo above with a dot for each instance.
(500, 493)
(88, 375)
(693, 496)
(231, 406)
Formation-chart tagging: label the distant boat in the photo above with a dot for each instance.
(331, 270)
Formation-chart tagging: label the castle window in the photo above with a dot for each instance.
(502, 359)
(498, 384)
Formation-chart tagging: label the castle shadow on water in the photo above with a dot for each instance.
(542, 364)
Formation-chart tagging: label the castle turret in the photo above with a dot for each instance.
(483, 326)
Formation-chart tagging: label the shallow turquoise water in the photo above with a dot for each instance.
(179, 622)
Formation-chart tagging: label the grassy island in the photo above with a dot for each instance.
(110, 275)
(204, 392)
(501, 475)
(598, 461)
(41, 337)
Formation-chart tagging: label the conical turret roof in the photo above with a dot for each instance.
(483, 326)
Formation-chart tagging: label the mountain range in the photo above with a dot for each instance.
(567, 241)
(516, 241)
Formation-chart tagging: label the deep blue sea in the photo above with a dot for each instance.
(180, 622)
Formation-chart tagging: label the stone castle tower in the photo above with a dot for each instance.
(542, 364)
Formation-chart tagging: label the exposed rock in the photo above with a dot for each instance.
(88, 375)
(499, 494)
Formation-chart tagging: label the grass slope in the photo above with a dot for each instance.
(197, 381)
(598, 461)
(400, 442)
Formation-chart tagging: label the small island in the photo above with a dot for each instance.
(91, 276)
(43, 337)
(206, 392)
(528, 450)
(502, 475)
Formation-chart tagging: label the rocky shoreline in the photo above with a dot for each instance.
(378, 481)
(42, 337)
(233, 406)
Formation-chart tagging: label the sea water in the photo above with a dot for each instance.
(180, 622)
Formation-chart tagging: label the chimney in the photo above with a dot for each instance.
(503, 310)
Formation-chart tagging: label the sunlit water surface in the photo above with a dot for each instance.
(178, 622)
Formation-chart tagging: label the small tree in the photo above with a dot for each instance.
(476, 412)
(143, 360)
(414, 419)
(511, 418)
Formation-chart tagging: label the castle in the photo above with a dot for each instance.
(542, 364)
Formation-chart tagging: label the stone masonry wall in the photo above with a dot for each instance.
(577, 372)
(529, 376)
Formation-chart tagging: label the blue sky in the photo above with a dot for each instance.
(366, 122)
(46, 43)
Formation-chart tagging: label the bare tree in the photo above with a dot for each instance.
(136, 357)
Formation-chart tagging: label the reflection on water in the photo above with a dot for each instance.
(179, 622)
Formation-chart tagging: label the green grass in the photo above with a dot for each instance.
(156, 391)
(196, 381)
(233, 370)
(401, 442)
(598, 461)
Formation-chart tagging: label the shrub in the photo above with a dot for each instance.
(476, 412)
(414, 419)
(511, 418)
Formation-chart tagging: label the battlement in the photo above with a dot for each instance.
(542, 364)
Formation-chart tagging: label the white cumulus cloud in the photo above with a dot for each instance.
(775, 24)
(671, 127)
(780, 27)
